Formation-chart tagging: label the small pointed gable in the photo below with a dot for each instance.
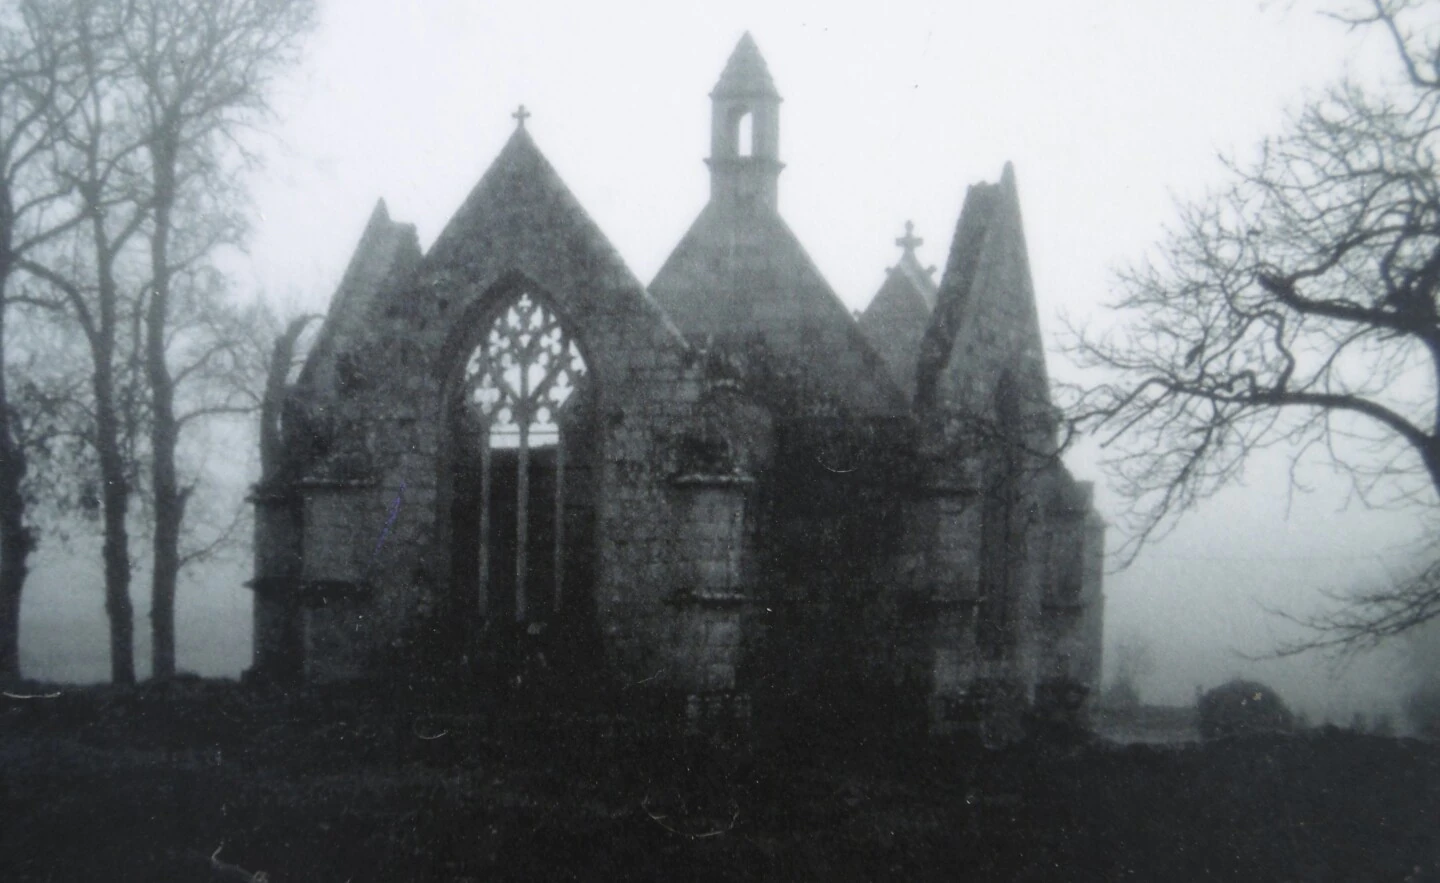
(741, 278)
(387, 252)
(522, 219)
(746, 73)
(896, 319)
(984, 335)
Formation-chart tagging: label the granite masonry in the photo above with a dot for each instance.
(508, 462)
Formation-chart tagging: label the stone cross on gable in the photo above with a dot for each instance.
(909, 241)
(520, 116)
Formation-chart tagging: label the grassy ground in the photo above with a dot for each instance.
(101, 785)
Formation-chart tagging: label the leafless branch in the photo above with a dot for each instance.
(1297, 308)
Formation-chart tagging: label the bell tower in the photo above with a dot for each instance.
(744, 133)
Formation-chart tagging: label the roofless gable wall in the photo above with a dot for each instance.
(508, 463)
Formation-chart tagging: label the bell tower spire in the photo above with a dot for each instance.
(745, 132)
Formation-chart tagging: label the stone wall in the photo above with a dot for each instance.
(758, 524)
(983, 405)
(394, 395)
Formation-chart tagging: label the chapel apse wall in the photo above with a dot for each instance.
(744, 503)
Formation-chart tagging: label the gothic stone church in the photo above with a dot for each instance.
(510, 461)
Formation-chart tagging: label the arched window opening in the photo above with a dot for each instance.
(523, 373)
(745, 134)
(517, 384)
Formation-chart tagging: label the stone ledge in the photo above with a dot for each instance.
(712, 479)
(273, 497)
(337, 483)
(310, 592)
(708, 599)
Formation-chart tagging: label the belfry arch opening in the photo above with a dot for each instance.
(745, 134)
(522, 479)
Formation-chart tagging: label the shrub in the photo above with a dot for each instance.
(1422, 707)
(1242, 708)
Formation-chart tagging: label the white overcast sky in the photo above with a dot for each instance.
(1110, 110)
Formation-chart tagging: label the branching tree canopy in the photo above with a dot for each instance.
(1298, 308)
(123, 129)
(38, 70)
(199, 73)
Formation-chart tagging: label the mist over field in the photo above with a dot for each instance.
(1109, 113)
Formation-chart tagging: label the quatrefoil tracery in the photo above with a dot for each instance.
(522, 374)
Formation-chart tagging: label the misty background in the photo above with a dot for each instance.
(1111, 112)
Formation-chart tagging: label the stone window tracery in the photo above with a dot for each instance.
(517, 383)
(523, 373)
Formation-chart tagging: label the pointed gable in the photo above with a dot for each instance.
(522, 219)
(521, 191)
(984, 337)
(386, 254)
(896, 319)
(741, 279)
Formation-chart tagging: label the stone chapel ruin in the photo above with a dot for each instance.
(507, 460)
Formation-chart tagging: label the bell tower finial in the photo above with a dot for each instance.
(745, 132)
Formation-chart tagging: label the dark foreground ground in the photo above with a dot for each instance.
(99, 785)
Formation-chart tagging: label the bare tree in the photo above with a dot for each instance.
(55, 171)
(95, 156)
(143, 152)
(29, 66)
(49, 459)
(1299, 309)
(201, 73)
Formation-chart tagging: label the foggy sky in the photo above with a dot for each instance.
(1109, 109)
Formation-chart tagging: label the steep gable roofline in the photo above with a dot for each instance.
(775, 294)
(909, 286)
(988, 259)
(897, 317)
(912, 271)
(386, 251)
(955, 287)
(918, 280)
(382, 241)
(884, 385)
(522, 199)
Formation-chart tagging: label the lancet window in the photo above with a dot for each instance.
(517, 383)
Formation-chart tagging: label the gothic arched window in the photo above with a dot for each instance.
(517, 382)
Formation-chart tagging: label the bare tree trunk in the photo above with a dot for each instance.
(115, 502)
(115, 488)
(16, 539)
(164, 431)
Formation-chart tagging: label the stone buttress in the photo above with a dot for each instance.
(506, 461)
